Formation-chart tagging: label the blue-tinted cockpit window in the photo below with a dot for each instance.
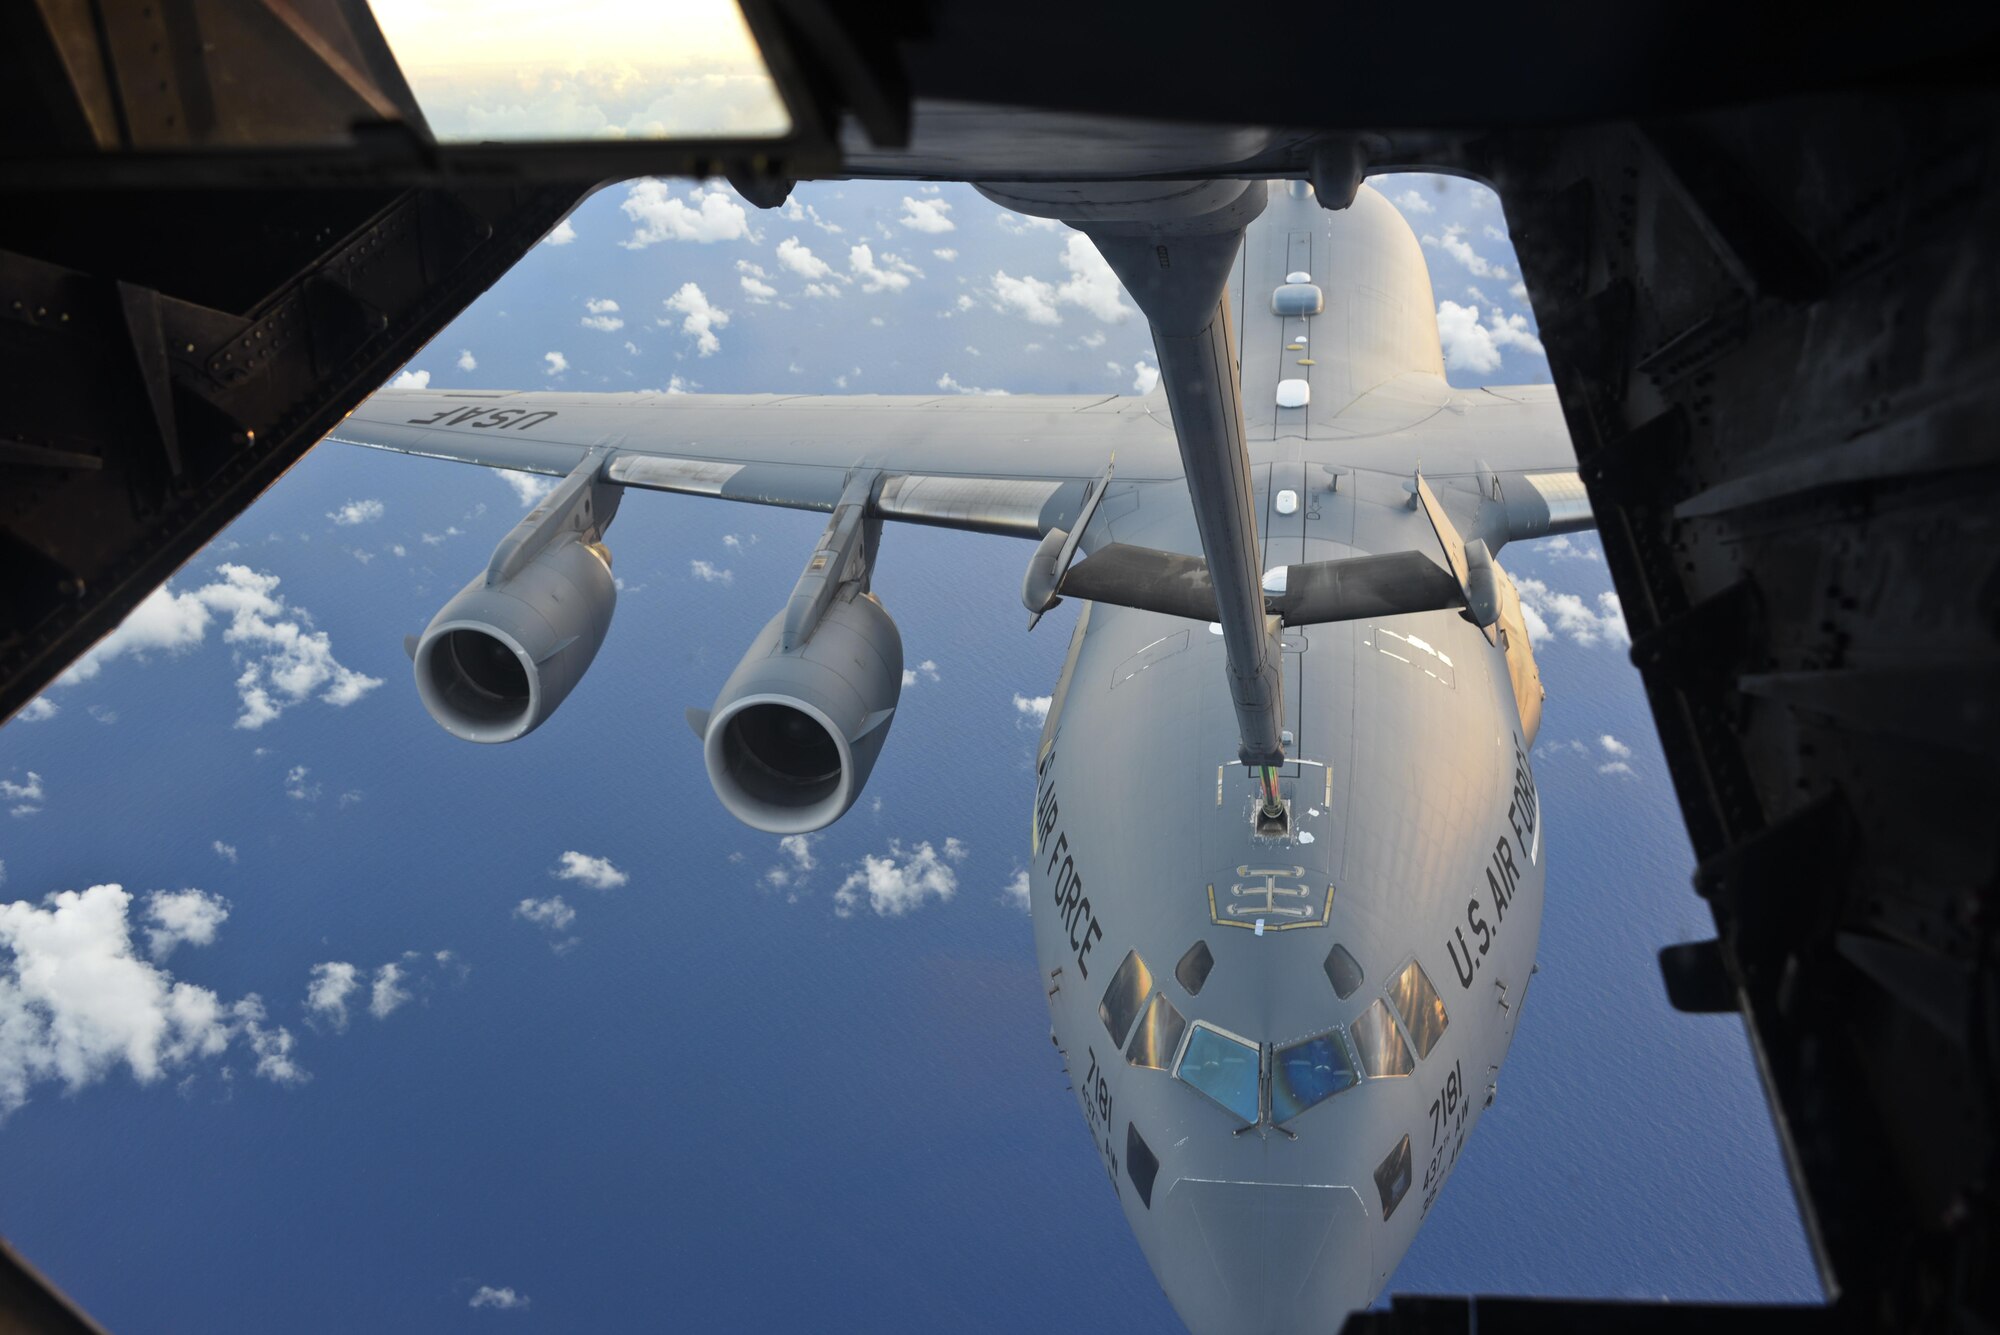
(1223, 1067)
(1308, 1072)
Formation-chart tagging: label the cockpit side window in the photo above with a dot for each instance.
(1126, 993)
(1420, 1007)
(1343, 971)
(1159, 1034)
(1309, 1072)
(1383, 1051)
(1194, 966)
(1222, 1066)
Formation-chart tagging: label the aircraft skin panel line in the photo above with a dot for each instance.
(1280, 1042)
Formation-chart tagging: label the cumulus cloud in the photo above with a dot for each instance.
(924, 671)
(1568, 614)
(597, 873)
(947, 254)
(328, 989)
(27, 796)
(557, 363)
(901, 880)
(76, 1003)
(499, 1299)
(927, 215)
(891, 274)
(560, 235)
(38, 710)
(1030, 298)
(1454, 244)
(412, 380)
(528, 488)
(756, 289)
(796, 862)
(388, 992)
(1614, 748)
(466, 361)
(1019, 223)
(710, 573)
(1472, 346)
(1410, 201)
(801, 261)
(227, 852)
(1091, 286)
(182, 916)
(602, 314)
(701, 317)
(1015, 892)
(704, 215)
(1145, 376)
(950, 385)
(1035, 707)
(357, 512)
(553, 913)
(282, 662)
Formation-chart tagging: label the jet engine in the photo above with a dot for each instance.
(798, 725)
(497, 659)
(794, 734)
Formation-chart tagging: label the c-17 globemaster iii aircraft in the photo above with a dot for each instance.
(1287, 855)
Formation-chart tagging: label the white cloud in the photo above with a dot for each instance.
(710, 573)
(560, 235)
(950, 385)
(1410, 201)
(927, 215)
(38, 710)
(756, 289)
(597, 873)
(412, 380)
(282, 662)
(948, 254)
(553, 913)
(1093, 339)
(1519, 291)
(796, 849)
(924, 671)
(357, 512)
(182, 916)
(1456, 246)
(388, 992)
(1033, 706)
(1472, 346)
(892, 274)
(29, 794)
(660, 215)
(1570, 615)
(328, 990)
(1015, 892)
(1615, 767)
(600, 305)
(1030, 298)
(1145, 376)
(466, 361)
(900, 880)
(1560, 548)
(296, 786)
(801, 261)
(1091, 285)
(528, 488)
(227, 852)
(1494, 233)
(702, 317)
(76, 1003)
(501, 1299)
(603, 315)
(1614, 748)
(557, 363)
(736, 542)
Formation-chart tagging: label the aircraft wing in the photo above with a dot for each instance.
(1016, 465)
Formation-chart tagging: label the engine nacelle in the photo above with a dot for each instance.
(499, 657)
(793, 735)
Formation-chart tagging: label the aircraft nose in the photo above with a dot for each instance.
(1269, 1258)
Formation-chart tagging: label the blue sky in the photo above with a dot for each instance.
(312, 1016)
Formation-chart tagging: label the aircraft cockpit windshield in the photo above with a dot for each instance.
(592, 69)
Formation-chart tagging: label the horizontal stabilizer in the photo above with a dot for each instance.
(1314, 593)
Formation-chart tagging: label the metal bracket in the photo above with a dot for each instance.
(582, 506)
(844, 555)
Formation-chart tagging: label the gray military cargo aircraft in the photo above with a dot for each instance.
(1287, 853)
